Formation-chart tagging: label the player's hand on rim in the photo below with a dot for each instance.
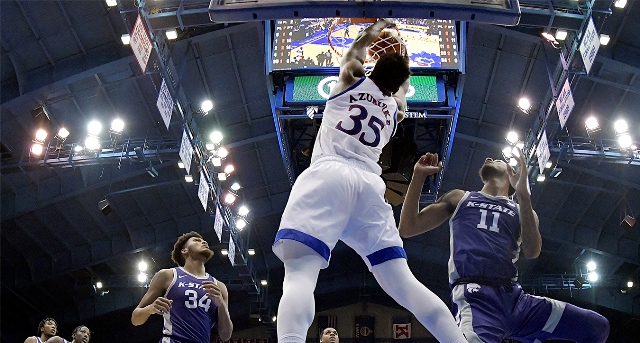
(161, 305)
(427, 164)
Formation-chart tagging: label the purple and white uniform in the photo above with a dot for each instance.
(341, 195)
(488, 304)
(192, 313)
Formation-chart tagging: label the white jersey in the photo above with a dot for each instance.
(357, 124)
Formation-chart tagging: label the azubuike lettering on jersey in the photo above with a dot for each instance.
(371, 99)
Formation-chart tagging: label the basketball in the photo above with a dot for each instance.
(387, 42)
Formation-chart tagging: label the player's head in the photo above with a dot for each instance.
(493, 169)
(48, 327)
(329, 335)
(190, 244)
(81, 334)
(391, 71)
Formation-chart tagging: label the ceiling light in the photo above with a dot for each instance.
(94, 127)
(604, 39)
(36, 149)
(541, 178)
(512, 137)
(206, 106)
(222, 176)
(188, 178)
(620, 126)
(593, 276)
(243, 211)
(549, 165)
(92, 143)
(216, 137)
(181, 165)
(273, 319)
(142, 266)
(235, 186)
(98, 285)
(217, 161)
(126, 39)
(229, 169)
(240, 223)
(172, 34)
(117, 125)
(620, 3)
(561, 34)
(524, 104)
(263, 282)
(251, 252)
(223, 152)
(112, 3)
(629, 284)
(210, 146)
(591, 124)
(41, 135)
(230, 198)
(506, 152)
(63, 133)
(142, 277)
(224, 252)
(625, 141)
(591, 266)
(548, 36)
(513, 162)
(78, 148)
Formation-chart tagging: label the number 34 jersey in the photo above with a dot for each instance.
(357, 123)
(192, 313)
(485, 237)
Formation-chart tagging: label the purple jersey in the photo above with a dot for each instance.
(485, 237)
(192, 313)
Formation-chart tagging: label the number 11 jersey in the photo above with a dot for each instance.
(356, 124)
(192, 313)
(485, 238)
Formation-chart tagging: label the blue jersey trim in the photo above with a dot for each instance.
(348, 89)
(319, 246)
(386, 254)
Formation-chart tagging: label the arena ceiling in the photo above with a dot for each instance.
(67, 57)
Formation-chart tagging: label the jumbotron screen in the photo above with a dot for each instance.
(320, 42)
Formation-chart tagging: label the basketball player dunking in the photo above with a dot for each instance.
(487, 232)
(341, 196)
(189, 299)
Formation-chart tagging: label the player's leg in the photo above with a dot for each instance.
(396, 279)
(479, 312)
(544, 318)
(297, 305)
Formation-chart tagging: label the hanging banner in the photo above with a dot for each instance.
(589, 45)
(402, 331)
(543, 151)
(165, 103)
(203, 190)
(364, 329)
(218, 223)
(232, 251)
(141, 44)
(186, 151)
(565, 103)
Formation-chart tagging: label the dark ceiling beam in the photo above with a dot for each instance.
(35, 33)
(531, 61)
(66, 215)
(70, 26)
(17, 67)
(627, 14)
(625, 87)
(195, 48)
(234, 63)
(153, 119)
(624, 95)
(496, 62)
(576, 184)
(601, 175)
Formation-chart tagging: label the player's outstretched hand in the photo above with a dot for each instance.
(427, 165)
(161, 305)
(213, 292)
(519, 180)
(389, 22)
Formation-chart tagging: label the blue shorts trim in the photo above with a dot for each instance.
(319, 246)
(386, 254)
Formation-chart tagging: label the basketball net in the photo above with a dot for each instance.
(375, 50)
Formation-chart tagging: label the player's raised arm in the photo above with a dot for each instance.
(358, 49)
